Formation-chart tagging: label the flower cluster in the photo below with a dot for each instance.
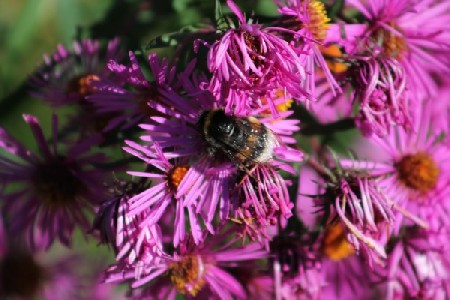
(239, 178)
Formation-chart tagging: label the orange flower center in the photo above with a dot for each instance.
(418, 172)
(176, 175)
(334, 243)
(84, 85)
(187, 275)
(333, 56)
(318, 20)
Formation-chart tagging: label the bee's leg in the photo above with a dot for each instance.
(248, 173)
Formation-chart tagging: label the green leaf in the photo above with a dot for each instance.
(221, 22)
(171, 39)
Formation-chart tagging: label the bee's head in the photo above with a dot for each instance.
(221, 125)
(217, 125)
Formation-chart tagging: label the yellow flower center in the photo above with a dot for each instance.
(176, 175)
(283, 106)
(318, 20)
(187, 275)
(334, 243)
(418, 172)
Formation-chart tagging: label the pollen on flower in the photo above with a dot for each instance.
(318, 20)
(283, 106)
(83, 84)
(55, 184)
(335, 245)
(418, 171)
(187, 275)
(176, 175)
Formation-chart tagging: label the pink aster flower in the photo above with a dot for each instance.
(134, 241)
(380, 91)
(418, 266)
(129, 236)
(440, 114)
(195, 271)
(415, 172)
(348, 278)
(264, 201)
(295, 267)
(362, 208)
(250, 64)
(57, 189)
(310, 20)
(308, 284)
(126, 107)
(413, 32)
(326, 266)
(345, 273)
(167, 177)
(68, 75)
(212, 175)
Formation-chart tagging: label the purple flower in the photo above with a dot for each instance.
(264, 201)
(167, 178)
(57, 188)
(380, 90)
(320, 267)
(413, 32)
(211, 175)
(250, 64)
(362, 208)
(68, 75)
(295, 267)
(134, 240)
(414, 172)
(125, 107)
(310, 20)
(308, 284)
(125, 233)
(418, 266)
(192, 271)
(345, 273)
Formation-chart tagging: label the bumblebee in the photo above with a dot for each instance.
(244, 140)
